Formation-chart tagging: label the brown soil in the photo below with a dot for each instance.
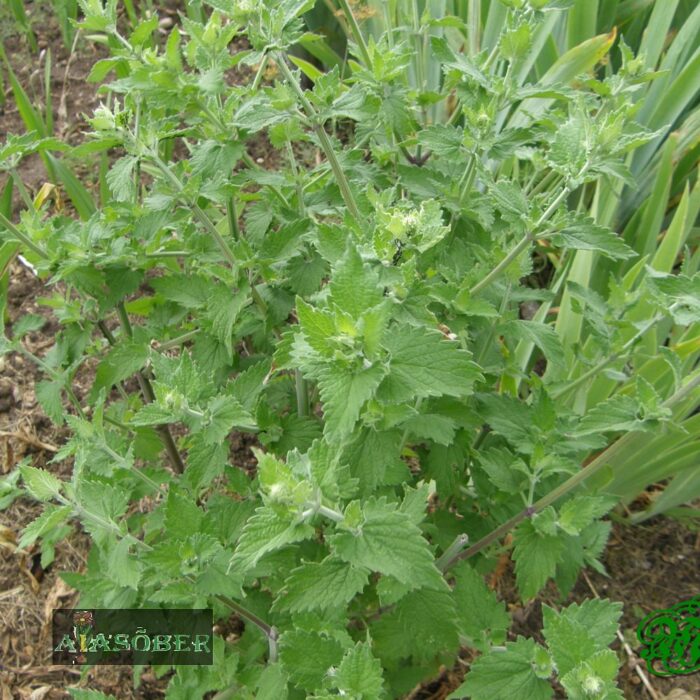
(652, 566)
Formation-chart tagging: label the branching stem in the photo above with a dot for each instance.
(571, 483)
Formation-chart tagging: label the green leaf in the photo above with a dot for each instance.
(386, 540)
(272, 684)
(267, 531)
(308, 657)
(423, 363)
(51, 518)
(580, 511)
(48, 393)
(120, 177)
(343, 394)
(543, 336)
(505, 675)
(584, 234)
(223, 414)
(84, 694)
(354, 287)
(481, 617)
(223, 308)
(190, 291)
(41, 484)
(122, 567)
(422, 625)
(27, 324)
(123, 361)
(182, 516)
(360, 674)
(327, 585)
(619, 412)
(598, 616)
(536, 555)
(594, 678)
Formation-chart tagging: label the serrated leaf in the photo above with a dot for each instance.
(225, 413)
(191, 291)
(505, 675)
(343, 394)
(122, 361)
(41, 484)
(307, 657)
(267, 531)
(422, 625)
(120, 177)
(598, 616)
(543, 336)
(223, 308)
(360, 674)
(619, 412)
(51, 518)
(481, 616)
(387, 541)
(594, 677)
(327, 585)
(48, 393)
(423, 363)
(122, 567)
(584, 234)
(580, 511)
(354, 287)
(535, 556)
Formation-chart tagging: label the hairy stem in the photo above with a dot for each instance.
(356, 33)
(521, 246)
(322, 136)
(148, 394)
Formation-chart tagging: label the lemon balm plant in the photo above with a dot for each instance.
(359, 310)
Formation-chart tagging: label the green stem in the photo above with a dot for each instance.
(232, 217)
(259, 73)
(149, 395)
(521, 246)
(596, 465)
(21, 237)
(322, 136)
(356, 33)
(460, 542)
(596, 369)
(179, 340)
(198, 212)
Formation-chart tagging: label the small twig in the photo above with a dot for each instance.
(634, 659)
(30, 440)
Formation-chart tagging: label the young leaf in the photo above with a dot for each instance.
(502, 675)
(327, 585)
(266, 531)
(360, 674)
(536, 555)
(41, 484)
(387, 541)
(481, 617)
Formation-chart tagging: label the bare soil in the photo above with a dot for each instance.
(651, 566)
